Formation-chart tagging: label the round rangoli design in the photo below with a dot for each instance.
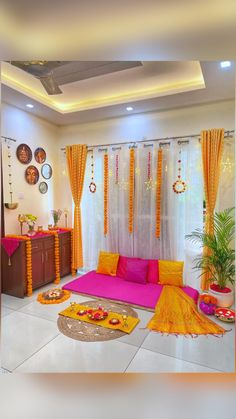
(88, 332)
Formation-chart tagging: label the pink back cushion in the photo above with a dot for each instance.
(136, 271)
(121, 269)
(153, 272)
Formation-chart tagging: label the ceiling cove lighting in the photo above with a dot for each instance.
(129, 108)
(29, 105)
(225, 64)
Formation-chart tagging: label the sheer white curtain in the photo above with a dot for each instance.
(226, 192)
(180, 213)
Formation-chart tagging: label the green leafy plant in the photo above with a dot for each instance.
(30, 219)
(220, 260)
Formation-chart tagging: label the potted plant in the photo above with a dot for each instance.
(30, 220)
(56, 214)
(220, 259)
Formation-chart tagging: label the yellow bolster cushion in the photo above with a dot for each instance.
(171, 273)
(107, 263)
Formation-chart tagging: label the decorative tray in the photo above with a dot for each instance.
(225, 314)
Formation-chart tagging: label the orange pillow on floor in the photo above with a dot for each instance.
(171, 273)
(107, 263)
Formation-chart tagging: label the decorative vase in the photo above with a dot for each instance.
(224, 299)
(31, 232)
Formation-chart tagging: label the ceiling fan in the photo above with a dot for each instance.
(42, 70)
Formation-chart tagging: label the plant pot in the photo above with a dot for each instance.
(31, 232)
(223, 299)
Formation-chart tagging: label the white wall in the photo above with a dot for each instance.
(36, 133)
(175, 122)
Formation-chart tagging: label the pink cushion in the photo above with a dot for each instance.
(136, 271)
(153, 272)
(121, 269)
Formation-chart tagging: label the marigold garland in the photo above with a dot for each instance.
(28, 248)
(131, 190)
(158, 193)
(105, 176)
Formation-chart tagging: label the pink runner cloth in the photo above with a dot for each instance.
(10, 245)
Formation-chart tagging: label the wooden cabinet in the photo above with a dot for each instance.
(43, 264)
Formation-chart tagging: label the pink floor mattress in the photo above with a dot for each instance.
(115, 288)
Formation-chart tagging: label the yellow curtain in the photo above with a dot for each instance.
(212, 142)
(76, 161)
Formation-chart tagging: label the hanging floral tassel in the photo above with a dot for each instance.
(105, 174)
(131, 189)
(158, 193)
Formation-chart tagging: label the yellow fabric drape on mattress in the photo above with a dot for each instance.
(76, 161)
(212, 142)
(176, 313)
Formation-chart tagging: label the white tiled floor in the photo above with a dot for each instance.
(31, 342)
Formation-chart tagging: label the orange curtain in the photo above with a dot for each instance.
(76, 161)
(212, 142)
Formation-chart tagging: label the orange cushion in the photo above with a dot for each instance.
(171, 273)
(107, 263)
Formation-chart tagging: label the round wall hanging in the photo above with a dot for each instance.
(43, 187)
(32, 175)
(24, 153)
(46, 171)
(40, 155)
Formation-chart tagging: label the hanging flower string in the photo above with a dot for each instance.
(28, 247)
(179, 186)
(106, 181)
(131, 189)
(158, 192)
(117, 170)
(148, 182)
(92, 186)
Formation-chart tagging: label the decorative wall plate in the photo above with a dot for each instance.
(32, 175)
(43, 187)
(46, 171)
(24, 153)
(40, 155)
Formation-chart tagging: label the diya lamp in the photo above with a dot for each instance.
(114, 321)
(82, 312)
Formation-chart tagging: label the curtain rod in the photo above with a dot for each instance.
(8, 138)
(227, 134)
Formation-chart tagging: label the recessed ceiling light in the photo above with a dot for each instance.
(129, 108)
(225, 64)
(29, 105)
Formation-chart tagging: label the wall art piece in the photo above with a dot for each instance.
(43, 187)
(24, 153)
(46, 171)
(40, 155)
(32, 175)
